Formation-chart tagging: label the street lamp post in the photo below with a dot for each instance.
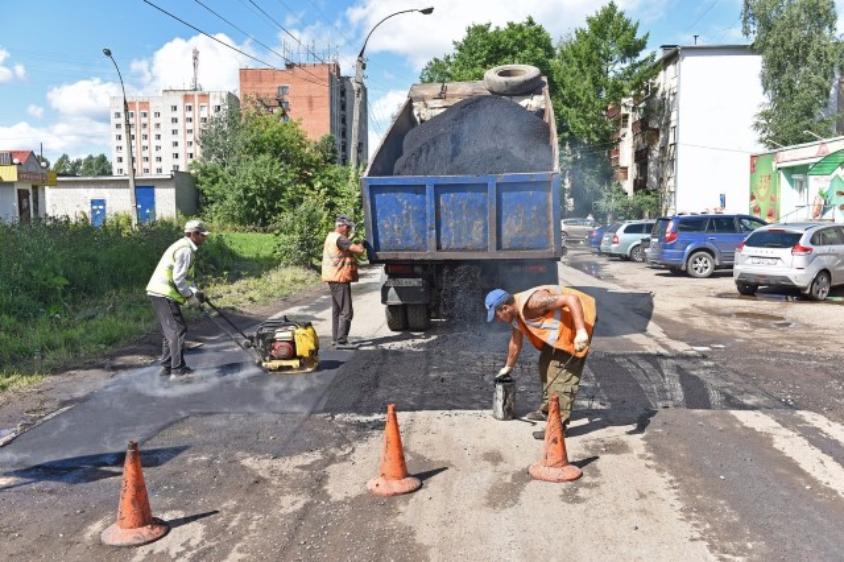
(360, 66)
(129, 145)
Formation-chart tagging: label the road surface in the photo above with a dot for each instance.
(707, 428)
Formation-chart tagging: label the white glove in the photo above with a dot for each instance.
(581, 340)
(503, 372)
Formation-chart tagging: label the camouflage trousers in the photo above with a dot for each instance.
(559, 373)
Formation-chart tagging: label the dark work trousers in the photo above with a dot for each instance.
(341, 310)
(173, 330)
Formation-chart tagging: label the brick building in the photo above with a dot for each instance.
(165, 129)
(315, 95)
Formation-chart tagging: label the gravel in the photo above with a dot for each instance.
(479, 135)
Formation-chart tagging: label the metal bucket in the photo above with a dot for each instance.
(504, 400)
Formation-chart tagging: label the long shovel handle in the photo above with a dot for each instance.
(227, 319)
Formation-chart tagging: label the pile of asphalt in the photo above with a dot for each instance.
(479, 135)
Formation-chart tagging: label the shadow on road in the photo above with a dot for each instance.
(174, 523)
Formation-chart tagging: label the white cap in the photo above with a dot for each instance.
(196, 225)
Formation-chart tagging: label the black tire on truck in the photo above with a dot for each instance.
(396, 317)
(513, 79)
(417, 317)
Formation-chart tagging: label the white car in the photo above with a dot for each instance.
(809, 257)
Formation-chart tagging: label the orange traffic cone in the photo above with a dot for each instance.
(135, 524)
(394, 479)
(554, 466)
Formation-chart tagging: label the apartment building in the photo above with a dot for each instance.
(165, 129)
(314, 95)
(690, 135)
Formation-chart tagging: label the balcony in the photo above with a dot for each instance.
(642, 126)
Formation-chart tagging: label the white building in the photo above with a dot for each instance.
(97, 198)
(165, 129)
(23, 181)
(692, 134)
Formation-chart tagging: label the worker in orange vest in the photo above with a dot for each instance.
(340, 270)
(558, 321)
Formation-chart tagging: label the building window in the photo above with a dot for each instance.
(157, 137)
(174, 119)
(189, 120)
(158, 170)
(203, 109)
(143, 125)
(118, 137)
(174, 108)
(146, 170)
(119, 159)
(174, 132)
(143, 114)
(145, 148)
(118, 126)
(158, 158)
(175, 167)
(131, 115)
(175, 144)
(117, 115)
(203, 120)
(190, 143)
(146, 158)
(189, 108)
(119, 148)
(190, 155)
(133, 137)
(119, 171)
(157, 114)
(144, 136)
(283, 91)
(190, 131)
(158, 148)
(157, 126)
(217, 109)
(175, 156)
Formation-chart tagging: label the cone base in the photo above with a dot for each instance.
(382, 487)
(115, 536)
(565, 473)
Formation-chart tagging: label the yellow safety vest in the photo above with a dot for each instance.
(555, 327)
(161, 283)
(338, 266)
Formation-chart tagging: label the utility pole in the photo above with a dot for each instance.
(129, 144)
(357, 85)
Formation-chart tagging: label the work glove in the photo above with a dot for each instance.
(503, 372)
(193, 300)
(581, 340)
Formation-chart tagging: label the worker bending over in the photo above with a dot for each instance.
(558, 321)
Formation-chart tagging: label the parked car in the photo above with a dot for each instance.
(576, 229)
(595, 238)
(625, 241)
(809, 257)
(699, 244)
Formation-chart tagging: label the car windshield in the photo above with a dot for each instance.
(773, 239)
(659, 228)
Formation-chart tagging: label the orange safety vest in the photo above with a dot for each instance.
(338, 266)
(555, 327)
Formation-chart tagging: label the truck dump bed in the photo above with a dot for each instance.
(477, 217)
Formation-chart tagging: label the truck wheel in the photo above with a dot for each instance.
(417, 317)
(396, 317)
(700, 265)
(512, 79)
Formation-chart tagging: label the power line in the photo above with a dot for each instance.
(285, 59)
(700, 17)
(284, 29)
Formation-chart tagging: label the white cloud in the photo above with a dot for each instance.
(35, 110)
(76, 136)
(419, 38)
(7, 74)
(171, 66)
(386, 106)
(85, 98)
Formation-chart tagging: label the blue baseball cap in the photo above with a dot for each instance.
(493, 300)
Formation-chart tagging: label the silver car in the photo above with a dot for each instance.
(576, 230)
(809, 257)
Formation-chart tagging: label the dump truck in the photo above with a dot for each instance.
(445, 239)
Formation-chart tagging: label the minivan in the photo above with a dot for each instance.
(699, 244)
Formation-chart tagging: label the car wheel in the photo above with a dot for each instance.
(417, 317)
(700, 265)
(637, 254)
(396, 317)
(819, 289)
(746, 288)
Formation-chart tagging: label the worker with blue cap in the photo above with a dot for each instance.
(558, 321)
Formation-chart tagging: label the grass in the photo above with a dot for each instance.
(240, 271)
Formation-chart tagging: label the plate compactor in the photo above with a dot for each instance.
(280, 345)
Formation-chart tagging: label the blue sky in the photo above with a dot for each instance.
(55, 81)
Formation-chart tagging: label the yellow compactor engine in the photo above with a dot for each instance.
(287, 346)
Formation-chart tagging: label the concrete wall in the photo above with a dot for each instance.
(72, 197)
(8, 202)
(720, 94)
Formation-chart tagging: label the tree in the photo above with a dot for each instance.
(485, 47)
(598, 66)
(89, 166)
(800, 53)
(327, 149)
(62, 166)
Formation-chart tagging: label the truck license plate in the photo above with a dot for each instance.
(404, 282)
